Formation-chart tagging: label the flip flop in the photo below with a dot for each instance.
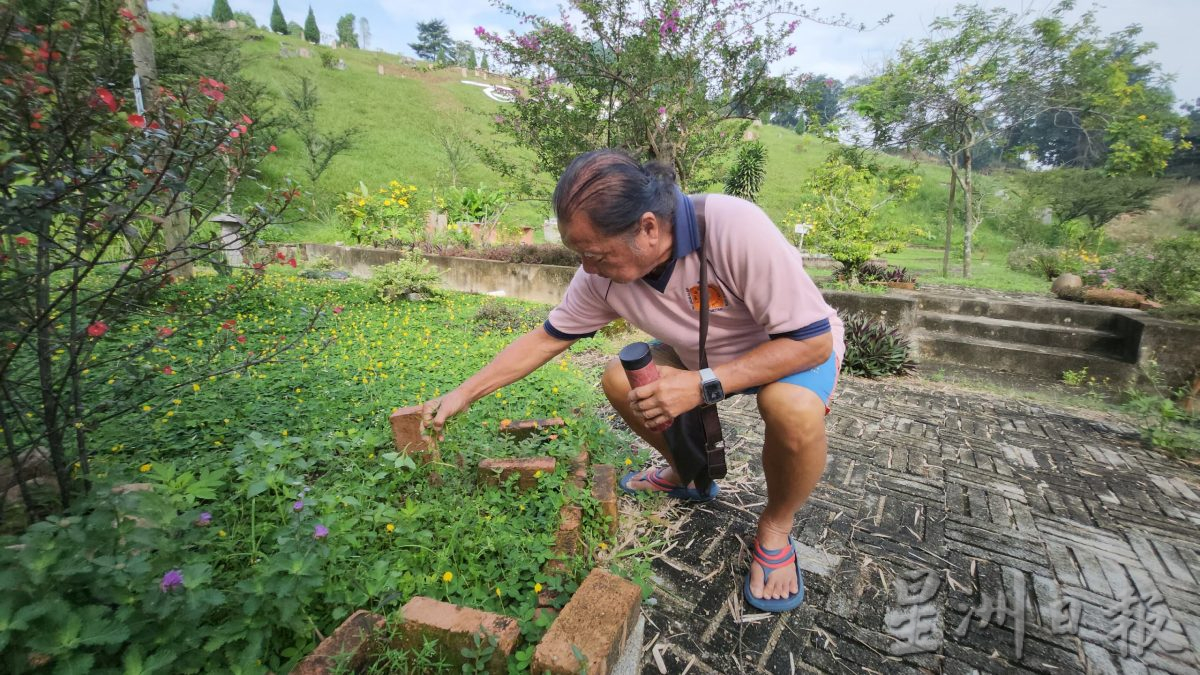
(771, 561)
(654, 477)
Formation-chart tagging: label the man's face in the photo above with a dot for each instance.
(623, 258)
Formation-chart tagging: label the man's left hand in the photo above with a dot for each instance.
(672, 394)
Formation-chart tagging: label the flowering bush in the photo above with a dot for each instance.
(1168, 271)
(393, 214)
(105, 208)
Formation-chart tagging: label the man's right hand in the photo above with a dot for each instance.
(435, 412)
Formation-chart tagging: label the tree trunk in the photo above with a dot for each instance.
(969, 205)
(175, 229)
(950, 214)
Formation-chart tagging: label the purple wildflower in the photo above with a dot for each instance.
(170, 580)
(320, 531)
(204, 519)
(480, 31)
(791, 50)
(662, 110)
(298, 505)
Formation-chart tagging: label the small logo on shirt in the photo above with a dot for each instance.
(716, 299)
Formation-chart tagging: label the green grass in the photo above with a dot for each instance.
(988, 270)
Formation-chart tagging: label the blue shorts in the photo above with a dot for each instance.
(820, 380)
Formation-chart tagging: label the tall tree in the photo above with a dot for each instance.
(433, 41)
(278, 23)
(364, 31)
(980, 75)
(667, 80)
(345, 31)
(221, 11)
(1101, 81)
(311, 32)
(483, 62)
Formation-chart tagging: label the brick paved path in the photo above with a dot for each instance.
(935, 504)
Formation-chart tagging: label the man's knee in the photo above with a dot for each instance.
(794, 415)
(614, 381)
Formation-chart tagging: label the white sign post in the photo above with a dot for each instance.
(802, 229)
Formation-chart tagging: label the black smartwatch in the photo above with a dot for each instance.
(710, 387)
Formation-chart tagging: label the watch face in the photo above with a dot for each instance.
(713, 392)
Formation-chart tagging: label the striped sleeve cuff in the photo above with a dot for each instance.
(812, 330)
(556, 333)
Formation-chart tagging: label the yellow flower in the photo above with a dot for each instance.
(628, 461)
(195, 387)
(448, 577)
(497, 591)
(603, 546)
(537, 474)
(147, 408)
(537, 588)
(553, 390)
(391, 527)
(362, 202)
(145, 467)
(220, 533)
(177, 401)
(284, 432)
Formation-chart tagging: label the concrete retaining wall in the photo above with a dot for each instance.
(1173, 346)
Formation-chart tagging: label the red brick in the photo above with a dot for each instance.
(596, 621)
(579, 466)
(604, 490)
(406, 433)
(496, 471)
(454, 628)
(351, 645)
(522, 429)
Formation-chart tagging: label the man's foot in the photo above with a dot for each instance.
(663, 480)
(775, 583)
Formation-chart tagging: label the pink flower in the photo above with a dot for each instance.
(480, 31)
(320, 531)
(23, 241)
(97, 329)
(241, 339)
(168, 370)
(234, 133)
(662, 110)
(791, 50)
(292, 262)
(166, 332)
(136, 120)
(272, 149)
(246, 120)
(174, 578)
(338, 310)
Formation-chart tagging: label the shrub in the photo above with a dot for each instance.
(328, 59)
(899, 275)
(497, 315)
(1168, 271)
(870, 271)
(1045, 262)
(397, 280)
(745, 179)
(875, 349)
(393, 214)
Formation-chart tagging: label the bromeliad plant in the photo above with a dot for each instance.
(875, 349)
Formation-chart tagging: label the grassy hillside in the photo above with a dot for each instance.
(400, 111)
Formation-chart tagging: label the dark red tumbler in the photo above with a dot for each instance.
(640, 369)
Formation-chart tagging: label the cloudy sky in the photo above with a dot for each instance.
(834, 51)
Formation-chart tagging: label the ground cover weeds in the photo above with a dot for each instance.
(277, 505)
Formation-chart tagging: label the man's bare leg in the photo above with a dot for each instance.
(793, 461)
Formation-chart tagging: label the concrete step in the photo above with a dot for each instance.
(1088, 340)
(1045, 363)
(1049, 311)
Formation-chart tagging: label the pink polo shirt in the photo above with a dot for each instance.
(758, 290)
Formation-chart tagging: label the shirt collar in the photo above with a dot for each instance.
(687, 240)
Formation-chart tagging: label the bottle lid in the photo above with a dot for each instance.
(635, 355)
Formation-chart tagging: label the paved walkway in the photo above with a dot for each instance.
(952, 533)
